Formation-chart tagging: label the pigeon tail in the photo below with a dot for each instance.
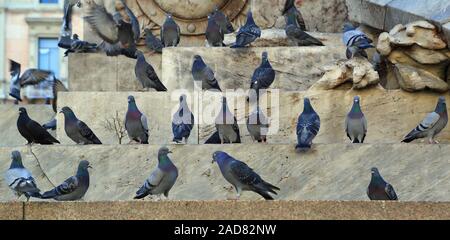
(142, 193)
(356, 140)
(302, 147)
(50, 194)
(264, 194)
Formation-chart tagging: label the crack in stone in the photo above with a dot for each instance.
(40, 167)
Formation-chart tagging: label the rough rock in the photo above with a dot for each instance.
(358, 70)
(427, 56)
(384, 44)
(413, 79)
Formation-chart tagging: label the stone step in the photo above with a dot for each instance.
(390, 114)
(8, 121)
(297, 67)
(418, 172)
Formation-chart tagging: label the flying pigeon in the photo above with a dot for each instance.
(257, 125)
(214, 33)
(65, 34)
(201, 72)
(79, 46)
(133, 21)
(113, 50)
(182, 121)
(226, 125)
(356, 41)
(136, 123)
(308, 125)
(379, 189)
(146, 74)
(242, 177)
(291, 11)
(222, 20)
(356, 123)
(19, 179)
(247, 33)
(297, 35)
(73, 188)
(162, 178)
(431, 125)
(32, 131)
(263, 76)
(152, 42)
(170, 32)
(77, 130)
(50, 125)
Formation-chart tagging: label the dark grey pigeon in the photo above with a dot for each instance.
(201, 72)
(263, 77)
(290, 10)
(32, 131)
(152, 42)
(50, 125)
(308, 125)
(214, 34)
(146, 74)
(226, 125)
(431, 125)
(113, 50)
(73, 188)
(170, 32)
(356, 41)
(79, 46)
(77, 130)
(19, 179)
(66, 28)
(133, 21)
(162, 178)
(136, 123)
(356, 123)
(242, 177)
(297, 35)
(379, 189)
(258, 125)
(222, 20)
(182, 122)
(247, 33)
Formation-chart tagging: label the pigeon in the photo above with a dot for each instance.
(356, 123)
(136, 123)
(133, 21)
(162, 178)
(222, 20)
(77, 130)
(73, 188)
(214, 33)
(113, 50)
(263, 76)
(431, 125)
(257, 125)
(182, 121)
(79, 46)
(152, 42)
(170, 32)
(226, 125)
(146, 74)
(290, 10)
(214, 139)
(297, 35)
(201, 72)
(379, 189)
(247, 33)
(308, 125)
(32, 131)
(65, 34)
(19, 179)
(51, 125)
(356, 41)
(242, 177)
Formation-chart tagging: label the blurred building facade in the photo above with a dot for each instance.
(29, 31)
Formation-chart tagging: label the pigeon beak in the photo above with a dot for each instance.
(170, 152)
(90, 167)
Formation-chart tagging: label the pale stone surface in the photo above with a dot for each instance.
(418, 33)
(384, 44)
(357, 70)
(11, 211)
(242, 210)
(8, 121)
(413, 79)
(427, 56)
(419, 172)
(391, 114)
(98, 72)
(297, 68)
(96, 108)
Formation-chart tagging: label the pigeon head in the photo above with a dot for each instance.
(219, 157)
(375, 173)
(198, 58)
(250, 18)
(83, 168)
(307, 108)
(75, 36)
(264, 56)
(183, 98)
(16, 160)
(22, 110)
(348, 27)
(163, 151)
(148, 31)
(131, 99)
(139, 54)
(66, 110)
(441, 106)
(374, 170)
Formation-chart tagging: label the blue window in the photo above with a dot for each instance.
(48, 1)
